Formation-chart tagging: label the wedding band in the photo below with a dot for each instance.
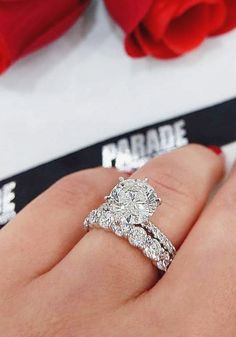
(126, 212)
(161, 237)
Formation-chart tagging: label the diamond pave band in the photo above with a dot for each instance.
(126, 213)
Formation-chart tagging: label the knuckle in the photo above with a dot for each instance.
(203, 156)
(203, 160)
(187, 173)
(76, 187)
(176, 183)
(72, 189)
(199, 150)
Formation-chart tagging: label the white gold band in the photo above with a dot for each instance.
(126, 213)
(148, 238)
(161, 237)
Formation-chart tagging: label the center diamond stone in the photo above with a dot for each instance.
(133, 201)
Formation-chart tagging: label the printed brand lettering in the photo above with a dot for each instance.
(131, 153)
(7, 205)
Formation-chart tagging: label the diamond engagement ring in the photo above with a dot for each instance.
(126, 212)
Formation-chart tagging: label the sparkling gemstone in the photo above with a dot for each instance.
(117, 229)
(164, 260)
(137, 237)
(92, 217)
(126, 228)
(86, 223)
(133, 200)
(106, 219)
(152, 249)
(169, 247)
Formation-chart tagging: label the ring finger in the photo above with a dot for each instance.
(112, 269)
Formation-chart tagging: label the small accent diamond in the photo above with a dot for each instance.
(164, 261)
(117, 229)
(126, 228)
(86, 223)
(105, 219)
(152, 249)
(157, 234)
(137, 237)
(92, 216)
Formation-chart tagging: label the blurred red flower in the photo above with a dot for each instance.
(169, 28)
(27, 25)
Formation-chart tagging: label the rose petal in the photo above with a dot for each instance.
(5, 59)
(132, 46)
(218, 16)
(25, 27)
(11, 1)
(230, 21)
(159, 17)
(163, 12)
(189, 30)
(185, 5)
(151, 47)
(56, 30)
(128, 13)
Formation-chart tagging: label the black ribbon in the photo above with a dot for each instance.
(215, 125)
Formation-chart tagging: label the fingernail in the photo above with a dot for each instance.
(216, 149)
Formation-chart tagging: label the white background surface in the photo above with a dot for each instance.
(83, 88)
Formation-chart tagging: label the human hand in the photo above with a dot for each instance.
(59, 281)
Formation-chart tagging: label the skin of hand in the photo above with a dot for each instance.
(59, 281)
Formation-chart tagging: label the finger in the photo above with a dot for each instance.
(50, 226)
(204, 272)
(183, 179)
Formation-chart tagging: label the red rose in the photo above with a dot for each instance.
(169, 28)
(27, 25)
